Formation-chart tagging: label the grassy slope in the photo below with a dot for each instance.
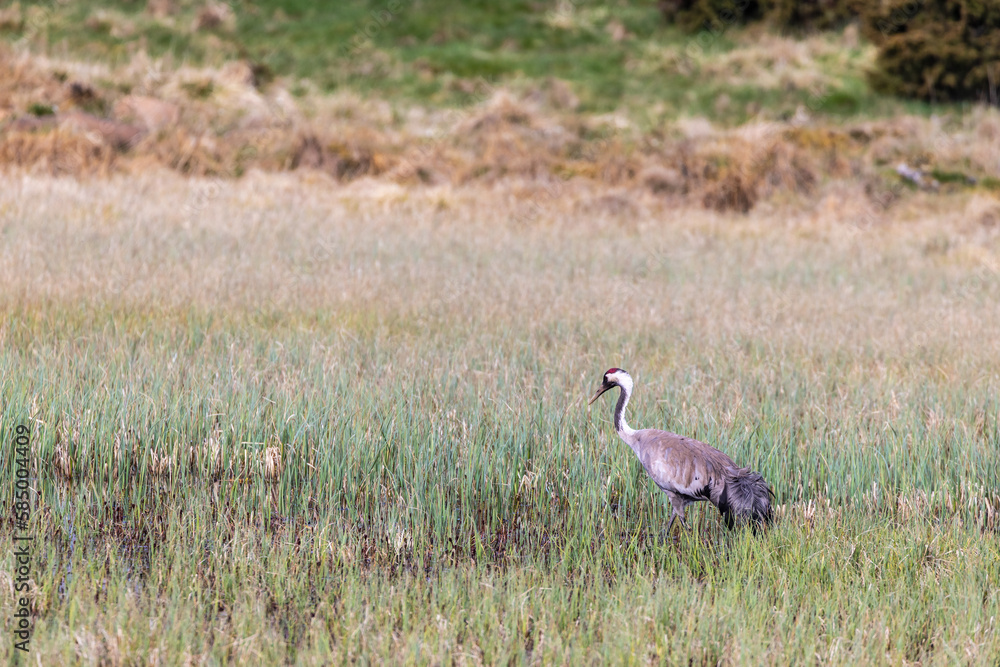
(422, 362)
(430, 50)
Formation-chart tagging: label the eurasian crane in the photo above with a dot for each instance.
(690, 471)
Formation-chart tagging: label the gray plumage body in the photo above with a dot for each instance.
(690, 471)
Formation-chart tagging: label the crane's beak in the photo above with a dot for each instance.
(600, 390)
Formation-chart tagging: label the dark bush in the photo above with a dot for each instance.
(796, 15)
(806, 15)
(936, 50)
(712, 15)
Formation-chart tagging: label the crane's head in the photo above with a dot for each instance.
(614, 377)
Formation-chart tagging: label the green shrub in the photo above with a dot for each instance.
(936, 50)
(37, 109)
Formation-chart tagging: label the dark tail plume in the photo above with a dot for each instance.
(746, 499)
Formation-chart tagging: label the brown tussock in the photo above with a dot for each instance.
(160, 464)
(216, 122)
(62, 463)
(272, 462)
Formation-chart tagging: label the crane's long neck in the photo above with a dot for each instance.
(625, 432)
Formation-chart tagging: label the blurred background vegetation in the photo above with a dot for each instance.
(611, 53)
(895, 95)
(932, 50)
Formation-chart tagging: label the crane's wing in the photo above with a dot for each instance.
(687, 467)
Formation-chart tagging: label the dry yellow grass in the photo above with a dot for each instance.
(164, 241)
(216, 122)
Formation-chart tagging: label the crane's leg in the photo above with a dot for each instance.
(678, 506)
(675, 515)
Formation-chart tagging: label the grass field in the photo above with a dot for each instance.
(305, 365)
(274, 421)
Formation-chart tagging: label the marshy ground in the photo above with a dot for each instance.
(314, 424)
(306, 362)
